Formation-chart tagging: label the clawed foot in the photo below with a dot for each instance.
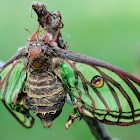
(73, 115)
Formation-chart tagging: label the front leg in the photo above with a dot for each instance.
(73, 115)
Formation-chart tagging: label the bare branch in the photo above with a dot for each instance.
(98, 129)
(52, 23)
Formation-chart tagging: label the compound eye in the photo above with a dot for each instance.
(97, 81)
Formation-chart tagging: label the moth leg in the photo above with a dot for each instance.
(57, 15)
(45, 31)
(67, 47)
(73, 115)
(25, 103)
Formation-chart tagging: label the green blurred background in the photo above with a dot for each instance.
(108, 30)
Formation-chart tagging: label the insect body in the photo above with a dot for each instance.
(39, 75)
(45, 93)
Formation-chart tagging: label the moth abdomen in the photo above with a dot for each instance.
(45, 96)
(49, 109)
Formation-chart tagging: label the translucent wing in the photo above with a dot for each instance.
(101, 90)
(12, 78)
(20, 114)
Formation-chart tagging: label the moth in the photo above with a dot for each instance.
(39, 76)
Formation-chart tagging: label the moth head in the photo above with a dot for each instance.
(35, 49)
(36, 54)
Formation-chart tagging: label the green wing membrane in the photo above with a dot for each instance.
(11, 79)
(116, 102)
(21, 114)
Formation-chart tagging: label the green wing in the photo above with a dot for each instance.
(101, 90)
(12, 77)
(20, 114)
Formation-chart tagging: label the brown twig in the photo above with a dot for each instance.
(52, 23)
(97, 129)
